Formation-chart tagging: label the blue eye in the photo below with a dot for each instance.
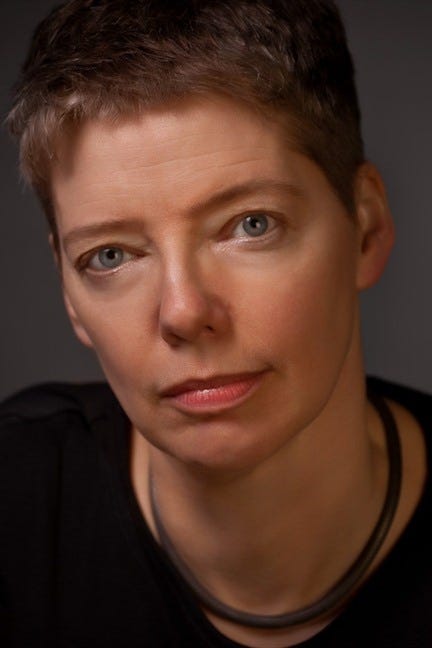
(108, 258)
(254, 225)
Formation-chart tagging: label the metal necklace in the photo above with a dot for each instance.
(339, 592)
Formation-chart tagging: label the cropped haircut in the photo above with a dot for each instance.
(112, 59)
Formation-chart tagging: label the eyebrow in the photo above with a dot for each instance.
(218, 199)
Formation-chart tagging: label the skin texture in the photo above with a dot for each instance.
(196, 301)
(197, 295)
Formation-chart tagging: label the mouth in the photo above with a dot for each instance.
(214, 394)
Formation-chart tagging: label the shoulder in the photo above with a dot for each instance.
(417, 402)
(49, 451)
(38, 422)
(50, 399)
(53, 481)
(412, 412)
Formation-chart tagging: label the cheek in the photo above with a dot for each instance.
(291, 310)
(303, 311)
(116, 326)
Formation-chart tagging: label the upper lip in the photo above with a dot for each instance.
(206, 383)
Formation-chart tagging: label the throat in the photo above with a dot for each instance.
(325, 603)
(259, 638)
(234, 546)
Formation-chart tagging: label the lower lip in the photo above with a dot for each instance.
(216, 398)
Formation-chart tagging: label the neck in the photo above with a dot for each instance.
(271, 517)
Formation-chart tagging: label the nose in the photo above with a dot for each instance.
(190, 308)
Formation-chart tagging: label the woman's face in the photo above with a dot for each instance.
(194, 244)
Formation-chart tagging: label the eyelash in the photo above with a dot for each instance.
(83, 262)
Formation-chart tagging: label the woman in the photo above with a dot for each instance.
(213, 220)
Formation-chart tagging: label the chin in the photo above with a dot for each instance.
(221, 449)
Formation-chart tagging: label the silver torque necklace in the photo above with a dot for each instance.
(342, 588)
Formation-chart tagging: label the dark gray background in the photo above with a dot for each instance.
(391, 44)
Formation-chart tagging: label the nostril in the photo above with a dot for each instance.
(188, 309)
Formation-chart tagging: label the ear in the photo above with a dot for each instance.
(55, 251)
(80, 331)
(375, 225)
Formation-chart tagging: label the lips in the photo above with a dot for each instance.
(193, 385)
(212, 395)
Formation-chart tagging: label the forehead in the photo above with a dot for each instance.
(169, 158)
(156, 135)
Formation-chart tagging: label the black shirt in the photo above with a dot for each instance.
(79, 567)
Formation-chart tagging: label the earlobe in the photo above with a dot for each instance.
(375, 226)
